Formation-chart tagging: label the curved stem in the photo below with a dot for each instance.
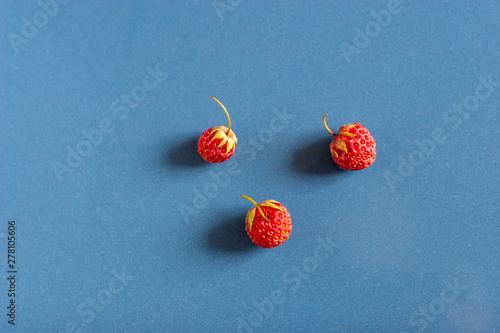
(326, 126)
(250, 199)
(227, 114)
(256, 205)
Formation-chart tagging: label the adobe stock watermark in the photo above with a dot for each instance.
(220, 179)
(95, 304)
(363, 38)
(48, 10)
(420, 320)
(290, 282)
(381, 20)
(119, 109)
(426, 147)
(221, 7)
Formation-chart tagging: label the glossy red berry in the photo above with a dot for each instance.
(353, 147)
(217, 144)
(268, 224)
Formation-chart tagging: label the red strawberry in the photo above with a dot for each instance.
(268, 224)
(353, 147)
(217, 144)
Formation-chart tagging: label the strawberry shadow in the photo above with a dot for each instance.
(229, 236)
(314, 157)
(185, 154)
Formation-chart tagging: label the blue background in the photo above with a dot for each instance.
(401, 230)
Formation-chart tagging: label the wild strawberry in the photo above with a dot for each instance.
(353, 147)
(217, 144)
(268, 224)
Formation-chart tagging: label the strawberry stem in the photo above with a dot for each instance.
(326, 126)
(256, 205)
(227, 114)
(250, 199)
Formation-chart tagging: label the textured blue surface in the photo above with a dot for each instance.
(140, 235)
